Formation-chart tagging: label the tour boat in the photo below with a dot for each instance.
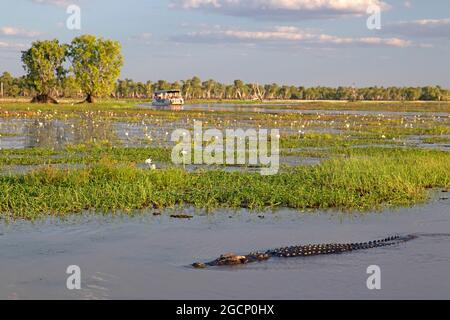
(166, 98)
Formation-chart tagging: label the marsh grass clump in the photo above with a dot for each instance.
(329, 140)
(360, 181)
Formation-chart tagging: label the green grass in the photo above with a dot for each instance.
(82, 153)
(8, 134)
(377, 178)
(320, 140)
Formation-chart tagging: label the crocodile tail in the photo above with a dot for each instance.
(399, 239)
(389, 241)
(339, 248)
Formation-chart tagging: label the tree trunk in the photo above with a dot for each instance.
(44, 98)
(90, 99)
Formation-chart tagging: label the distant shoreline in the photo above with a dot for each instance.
(232, 101)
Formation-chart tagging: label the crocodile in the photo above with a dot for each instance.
(230, 259)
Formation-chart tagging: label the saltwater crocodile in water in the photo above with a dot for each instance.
(301, 251)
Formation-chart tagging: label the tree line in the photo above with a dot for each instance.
(194, 88)
(89, 68)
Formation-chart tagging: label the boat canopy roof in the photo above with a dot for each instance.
(167, 91)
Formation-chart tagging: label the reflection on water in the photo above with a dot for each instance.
(269, 108)
(147, 256)
(25, 133)
(53, 133)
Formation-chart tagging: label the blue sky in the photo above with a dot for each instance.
(301, 42)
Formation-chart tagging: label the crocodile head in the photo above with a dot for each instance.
(230, 259)
(227, 259)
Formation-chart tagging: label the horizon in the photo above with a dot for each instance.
(284, 42)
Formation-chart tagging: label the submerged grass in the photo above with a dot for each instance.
(379, 177)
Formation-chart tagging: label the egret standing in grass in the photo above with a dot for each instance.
(150, 164)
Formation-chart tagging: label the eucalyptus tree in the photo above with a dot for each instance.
(6, 84)
(43, 64)
(272, 90)
(239, 88)
(96, 63)
(208, 88)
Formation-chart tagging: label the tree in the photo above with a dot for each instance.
(208, 87)
(257, 92)
(412, 94)
(43, 63)
(70, 87)
(162, 85)
(196, 87)
(430, 93)
(6, 81)
(272, 90)
(96, 63)
(239, 88)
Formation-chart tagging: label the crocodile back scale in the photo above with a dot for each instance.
(302, 251)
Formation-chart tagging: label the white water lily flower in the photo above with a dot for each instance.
(149, 161)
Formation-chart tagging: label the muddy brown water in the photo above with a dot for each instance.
(148, 257)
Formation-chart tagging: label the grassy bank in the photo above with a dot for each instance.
(382, 177)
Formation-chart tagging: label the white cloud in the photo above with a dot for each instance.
(142, 38)
(283, 9)
(59, 3)
(11, 46)
(18, 32)
(287, 35)
(428, 28)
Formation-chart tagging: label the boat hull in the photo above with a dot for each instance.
(167, 102)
